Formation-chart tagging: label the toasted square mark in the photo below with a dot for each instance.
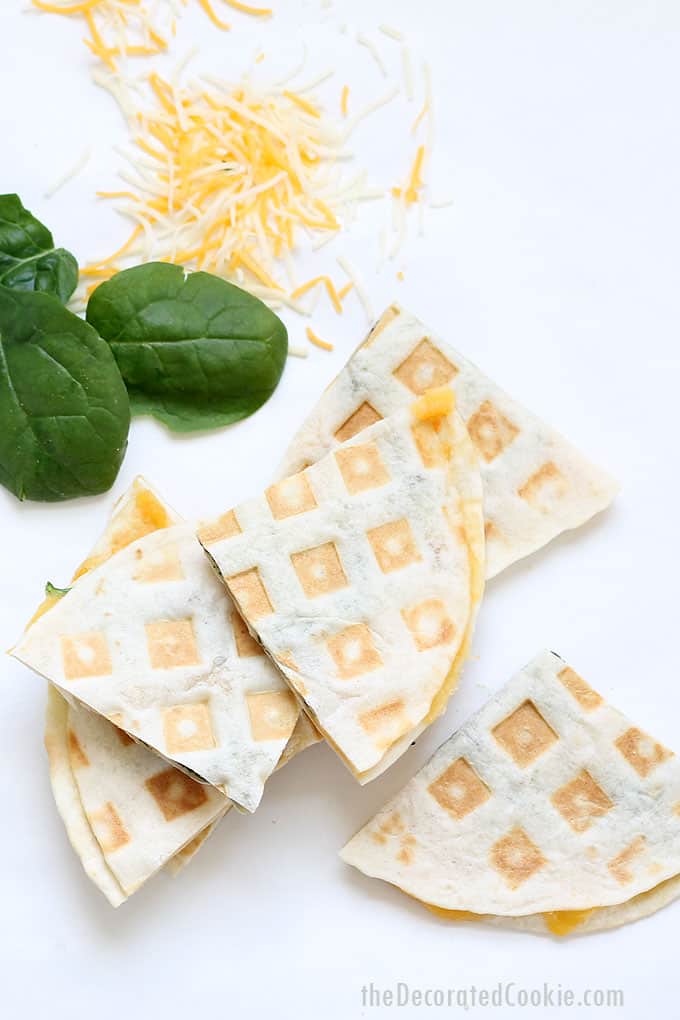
(640, 751)
(117, 719)
(188, 728)
(544, 488)
(225, 526)
(425, 368)
(76, 754)
(364, 416)
(525, 734)
(273, 715)
(459, 790)
(162, 564)
(387, 723)
(85, 655)
(361, 467)
(394, 545)
(432, 449)
(491, 431)
(620, 866)
(246, 645)
(250, 593)
(175, 793)
(430, 624)
(581, 801)
(579, 689)
(172, 644)
(354, 652)
(386, 319)
(319, 570)
(516, 857)
(108, 829)
(290, 497)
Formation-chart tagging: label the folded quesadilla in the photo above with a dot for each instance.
(548, 811)
(536, 484)
(82, 780)
(361, 576)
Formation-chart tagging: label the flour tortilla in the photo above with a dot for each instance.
(362, 576)
(151, 641)
(547, 811)
(536, 484)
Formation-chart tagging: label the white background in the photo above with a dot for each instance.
(557, 271)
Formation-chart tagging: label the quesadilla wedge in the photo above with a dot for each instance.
(361, 576)
(536, 484)
(548, 811)
(138, 512)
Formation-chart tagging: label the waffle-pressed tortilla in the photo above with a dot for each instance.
(361, 576)
(137, 513)
(536, 484)
(151, 641)
(548, 811)
(141, 810)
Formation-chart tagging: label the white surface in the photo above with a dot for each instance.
(556, 270)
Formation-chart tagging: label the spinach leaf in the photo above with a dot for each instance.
(51, 589)
(28, 258)
(64, 412)
(195, 351)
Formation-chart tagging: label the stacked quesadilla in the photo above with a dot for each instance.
(548, 811)
(362, 576)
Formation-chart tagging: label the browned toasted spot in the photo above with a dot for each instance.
(225, 526)
(425, 368)
(364, 416)
(78, 757)
(175, 793)
(516, 857)
(525, 734)
(273, 715)
(386, 717)
(108, 829)
(85, 655)
(459, 790)
(319, 570)
(188, 728)
(353, 651)
(250, 593)
(430, 624)
(118, 721)
(641, 751)
(246, 645)
(581, 801)
(290, 497)
(172, 644)
(491, 431)
(393, 545)
(579, 689)
(432, 448)
(361, 467)
(544, 488)
(620, 865)
(388, 316)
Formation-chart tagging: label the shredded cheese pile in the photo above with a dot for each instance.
(231, 180)
(132, 28)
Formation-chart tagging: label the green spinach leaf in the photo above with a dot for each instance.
(28, 258)
(195, 351)
(51, 589)
(64, 412)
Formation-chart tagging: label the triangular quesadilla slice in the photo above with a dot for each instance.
(150, 640)
(536, 484)
(138, 512)
(547, 811)
(361, 577)
(141, 810)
